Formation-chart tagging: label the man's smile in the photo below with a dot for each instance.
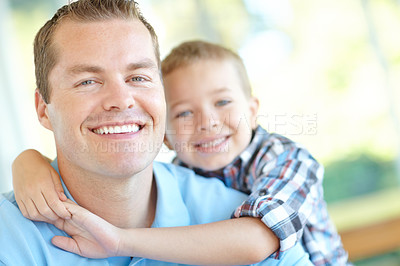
(119, 129)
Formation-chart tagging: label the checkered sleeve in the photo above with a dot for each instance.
(284, 194)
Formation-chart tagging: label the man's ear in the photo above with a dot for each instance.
(253, 105)
(166, 142)
(41, 110)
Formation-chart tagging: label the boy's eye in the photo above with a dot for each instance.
(87, 82)
(138, 79)
(222, 102)
(184, 114)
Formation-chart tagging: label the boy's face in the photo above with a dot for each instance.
(209, 117)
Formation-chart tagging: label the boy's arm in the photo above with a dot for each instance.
(230, 242)
(285, 194)
(37, 187)
(236, 241)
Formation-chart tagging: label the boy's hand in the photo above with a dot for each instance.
(92, 236)
(37, 187)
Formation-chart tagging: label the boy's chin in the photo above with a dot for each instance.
(211, 166)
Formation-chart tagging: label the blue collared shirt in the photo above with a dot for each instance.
(182, 199)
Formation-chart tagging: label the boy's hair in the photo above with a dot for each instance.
(192, 51)
(45, 54)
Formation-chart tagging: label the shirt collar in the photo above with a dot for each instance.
(170, 208)
(256, 141)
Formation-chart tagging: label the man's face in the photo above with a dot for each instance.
(209, 118)
(107, 104)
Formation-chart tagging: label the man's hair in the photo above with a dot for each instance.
(45, 53)
(192, 51)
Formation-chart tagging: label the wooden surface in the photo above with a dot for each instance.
(369, 225)
(372, 240)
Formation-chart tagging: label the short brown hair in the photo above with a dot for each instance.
(191, 51)
(45, 54)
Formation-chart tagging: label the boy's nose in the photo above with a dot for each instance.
(207, 122)
(118, 96)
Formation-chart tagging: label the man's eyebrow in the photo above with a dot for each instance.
(85, 68)
(145, 63)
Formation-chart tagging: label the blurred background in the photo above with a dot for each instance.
(327, 74)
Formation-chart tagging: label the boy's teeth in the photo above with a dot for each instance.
(212, 143)
(117, 129)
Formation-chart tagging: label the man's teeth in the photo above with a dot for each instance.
(117, 129)
(212, 143)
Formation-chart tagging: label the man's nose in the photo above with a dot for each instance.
(118, 96)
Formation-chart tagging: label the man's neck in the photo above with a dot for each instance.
(124, 202)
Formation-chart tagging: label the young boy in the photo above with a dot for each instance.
(211, 124)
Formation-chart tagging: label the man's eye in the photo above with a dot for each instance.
(222, 102)
(87, 82)
(184, 114)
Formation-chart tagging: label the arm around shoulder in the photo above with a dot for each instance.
(37, 187)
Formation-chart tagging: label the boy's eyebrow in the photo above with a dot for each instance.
(178, 103)
(217, 91)
(223, 89)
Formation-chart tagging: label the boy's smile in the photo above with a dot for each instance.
(209, 117)
(212, 145)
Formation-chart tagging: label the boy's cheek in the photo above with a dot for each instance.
(184, 128)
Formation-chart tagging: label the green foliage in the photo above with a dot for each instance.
(27, 5)
(390, 259)
(359, 175)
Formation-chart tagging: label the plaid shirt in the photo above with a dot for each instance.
(284, 183)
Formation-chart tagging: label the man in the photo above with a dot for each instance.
(100, 92)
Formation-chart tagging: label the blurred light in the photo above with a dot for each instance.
(264, 52)
(271, 11)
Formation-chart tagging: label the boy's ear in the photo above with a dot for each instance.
(253, 105)
(42, 111)
(166, 142)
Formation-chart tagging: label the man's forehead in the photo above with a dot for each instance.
(112, 37)
(75, 27)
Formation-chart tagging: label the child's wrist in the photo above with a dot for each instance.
(124, 242)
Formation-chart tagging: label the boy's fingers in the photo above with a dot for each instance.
(51, 206)
(62, 196)
(76, 211)
(58, 207)
(83, 217)
(33, 213)
(57, 185)
(48, 201)
(44, 208)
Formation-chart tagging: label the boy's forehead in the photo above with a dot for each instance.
(197, 68)
(214, 75)
(188, 87)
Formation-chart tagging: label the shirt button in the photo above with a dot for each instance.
(262, 192)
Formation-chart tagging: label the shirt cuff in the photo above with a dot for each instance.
(279, 228)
